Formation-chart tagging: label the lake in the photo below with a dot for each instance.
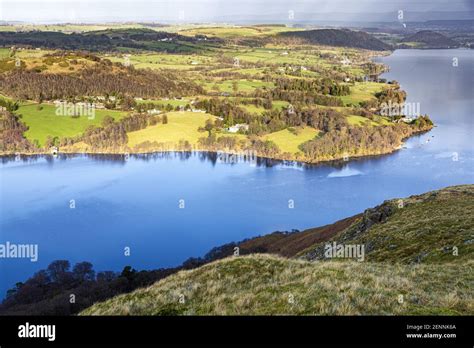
(168, 207)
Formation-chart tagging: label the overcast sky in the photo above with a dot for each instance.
(219, 10)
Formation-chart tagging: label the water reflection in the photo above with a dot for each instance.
(133, 200)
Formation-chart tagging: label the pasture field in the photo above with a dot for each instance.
(288, 141)
(363, 91)
(163, 102)
(234, 32)
(68, 28)
(164, 61)
(238, 63)
(180, 126)
(242, 85)
(355, 120)
(42, 122)
(4, 53)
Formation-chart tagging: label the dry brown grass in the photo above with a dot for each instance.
(267, 285)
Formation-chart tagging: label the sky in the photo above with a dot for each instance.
(56, 11)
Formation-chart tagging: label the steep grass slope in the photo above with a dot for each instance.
(268, 285)
(418, 260)
(434, 227)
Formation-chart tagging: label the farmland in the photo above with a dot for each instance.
(42, 122)
(180, 126)
(279, 98)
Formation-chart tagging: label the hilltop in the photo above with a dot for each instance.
(430, 39)
(418, 261)
(338, 38)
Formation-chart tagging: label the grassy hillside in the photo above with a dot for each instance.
(430, 39)
(362, 92)
(253, 71)
(266, 285)
(409, 268)
(422, 228)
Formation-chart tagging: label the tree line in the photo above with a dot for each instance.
(48, 291)
(11, 134)
(95, 81)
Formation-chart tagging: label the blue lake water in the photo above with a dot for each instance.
(135, 203)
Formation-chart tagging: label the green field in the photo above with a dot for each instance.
(4, 53)
(29, 53)
(363, 92)
(45, 122)
(276, 104)
(210, 64)
(164, 102)
(236, 31)
(355, 120)
(243, 85)
(289, 142)
(180, 126)
(67, 28)
(164, 61)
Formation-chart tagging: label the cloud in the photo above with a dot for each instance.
(209, 10)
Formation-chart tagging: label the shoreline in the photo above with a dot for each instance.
(129, 152)
(339, 160)
(343, 158)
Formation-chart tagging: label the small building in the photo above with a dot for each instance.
(154, 112)
(404, 119)
(238, 127)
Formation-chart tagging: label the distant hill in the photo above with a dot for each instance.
(420, 248)
(337, 37)
(105, 40)
(431, 39)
